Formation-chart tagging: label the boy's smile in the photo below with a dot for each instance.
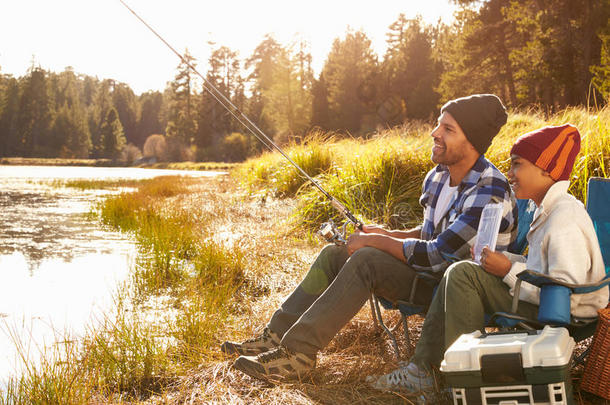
(528, 180)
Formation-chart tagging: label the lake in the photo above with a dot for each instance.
(59, 267)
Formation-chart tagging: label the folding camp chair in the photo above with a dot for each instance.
(408, 308)
(555, 294)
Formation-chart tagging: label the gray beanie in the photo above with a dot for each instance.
(480, 116)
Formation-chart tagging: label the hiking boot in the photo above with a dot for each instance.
(405, 378)
(264, 342)
(276, 362)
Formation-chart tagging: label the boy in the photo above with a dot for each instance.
(562, 244)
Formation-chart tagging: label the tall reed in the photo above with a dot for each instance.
(380, 179)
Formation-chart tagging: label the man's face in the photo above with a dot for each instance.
(450, 143)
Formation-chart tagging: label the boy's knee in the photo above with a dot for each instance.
(461, 271)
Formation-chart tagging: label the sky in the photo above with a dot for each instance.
(102, 38)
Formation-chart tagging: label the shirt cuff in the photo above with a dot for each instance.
(408, 246)
(511, 277)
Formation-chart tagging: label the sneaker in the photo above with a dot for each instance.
(264, 342)
(277, 362)
(404, 378)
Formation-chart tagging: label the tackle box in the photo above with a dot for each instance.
(510, 368)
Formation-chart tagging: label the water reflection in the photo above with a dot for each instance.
(52, 224)
(42, 221)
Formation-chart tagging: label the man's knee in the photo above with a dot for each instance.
(331, 251)
(366, 254)
(372, 264)
(324, 269)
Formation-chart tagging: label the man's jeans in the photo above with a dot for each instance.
(334, 290)
(465, 294)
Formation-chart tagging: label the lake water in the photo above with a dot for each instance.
(58, 267)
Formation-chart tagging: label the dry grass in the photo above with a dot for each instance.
(278, 257)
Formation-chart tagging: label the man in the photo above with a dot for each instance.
(375, 260)
(562, 244)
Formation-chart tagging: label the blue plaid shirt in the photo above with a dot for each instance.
(456, 232)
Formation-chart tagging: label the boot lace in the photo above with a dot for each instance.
(399, 378)
(273, 354)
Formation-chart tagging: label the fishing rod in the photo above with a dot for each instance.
(328, 230)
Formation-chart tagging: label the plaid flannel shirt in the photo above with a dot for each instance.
(456, 232)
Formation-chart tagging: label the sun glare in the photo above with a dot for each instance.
(103, 39)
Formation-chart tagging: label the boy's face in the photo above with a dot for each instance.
(450, 144)
(528, 180)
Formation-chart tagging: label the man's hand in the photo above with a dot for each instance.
(374, 229)
(356, 241)
(495, 263)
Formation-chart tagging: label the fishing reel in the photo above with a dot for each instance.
(332, 234)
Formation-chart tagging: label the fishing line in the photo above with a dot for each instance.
(247, 123)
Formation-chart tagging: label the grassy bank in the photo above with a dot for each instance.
(191, 165)
(380, 179)
(19, 161)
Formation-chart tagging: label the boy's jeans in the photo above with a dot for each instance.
(465, 294)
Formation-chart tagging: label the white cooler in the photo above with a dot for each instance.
(529, 367)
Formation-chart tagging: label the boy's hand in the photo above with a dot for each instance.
(495, 263)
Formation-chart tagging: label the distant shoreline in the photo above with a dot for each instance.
(17, 161)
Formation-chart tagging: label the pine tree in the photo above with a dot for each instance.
(181, 123)
(410, 72)
(71, 128)
(320, 115)
(9, 112)
(213, 121)
(126, 104)
(261, 63)
(150, 121)
(112, 137)
(96, 114)
(288, 100)
(35, 118)
(350, 72)
(601, 79)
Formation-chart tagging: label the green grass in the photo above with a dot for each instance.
(96, 184)
(380, 179)
(274, 170)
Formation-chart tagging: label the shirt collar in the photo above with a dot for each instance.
(553, 194)
(473, 175)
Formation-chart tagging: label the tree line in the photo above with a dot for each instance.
(548, 54)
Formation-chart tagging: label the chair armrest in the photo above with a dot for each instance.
(539, 279)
